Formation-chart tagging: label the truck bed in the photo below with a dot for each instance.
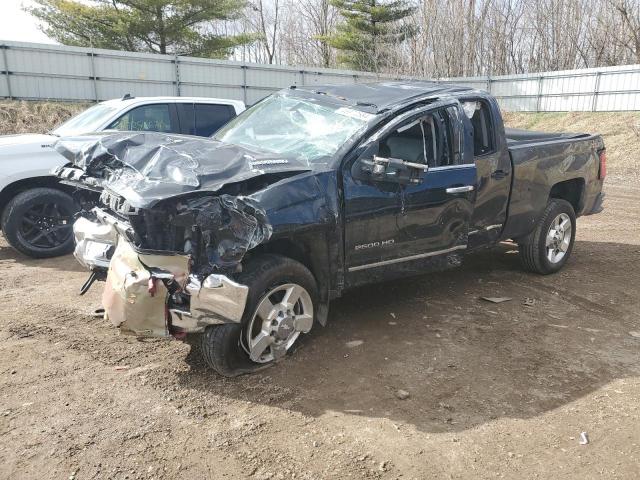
(516, 136)
(542, 162)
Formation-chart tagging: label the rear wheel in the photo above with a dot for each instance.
(549, 246)
(39, 222)
(280, 306)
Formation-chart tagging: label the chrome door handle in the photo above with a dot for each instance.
(466, 188)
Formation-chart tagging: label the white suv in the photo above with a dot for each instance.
(36, 210)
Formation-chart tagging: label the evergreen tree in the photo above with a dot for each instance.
(368, 29)
(182, 27)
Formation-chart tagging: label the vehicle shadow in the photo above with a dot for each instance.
(463, 360)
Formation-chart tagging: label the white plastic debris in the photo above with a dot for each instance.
(584, 440)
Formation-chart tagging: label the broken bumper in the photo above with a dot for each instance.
(95, 240)
(136, 297)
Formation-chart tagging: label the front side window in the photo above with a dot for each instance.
(425, 140)
(151, 118)
(292, 126)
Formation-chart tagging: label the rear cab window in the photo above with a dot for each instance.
(479, 113)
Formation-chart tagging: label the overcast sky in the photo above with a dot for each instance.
(18, 25)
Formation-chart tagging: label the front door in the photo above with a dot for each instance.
(398, 230)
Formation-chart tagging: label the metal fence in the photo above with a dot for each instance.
(36, 71)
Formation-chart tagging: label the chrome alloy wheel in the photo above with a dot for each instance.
(558, 238)
(282, 314)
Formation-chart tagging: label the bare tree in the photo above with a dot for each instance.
(629, 36)
(457, 37)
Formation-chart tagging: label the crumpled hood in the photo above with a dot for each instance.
(147, 167)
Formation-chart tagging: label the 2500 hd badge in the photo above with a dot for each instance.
(384, 243)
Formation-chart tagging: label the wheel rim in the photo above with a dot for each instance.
(281, 316)
(558, 238)
(45, 226)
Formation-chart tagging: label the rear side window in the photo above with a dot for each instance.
(210, 117)
(483, 134)
(150, 118)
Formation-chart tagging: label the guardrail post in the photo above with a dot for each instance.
(176, 61)
(244, 83)
(596, 91)
(489, 82)
(302, 78)
(92, 66)
(539, 101)
(6, 70)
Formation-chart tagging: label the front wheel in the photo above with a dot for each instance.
(549, 246)
(280, 306)
(39, 222)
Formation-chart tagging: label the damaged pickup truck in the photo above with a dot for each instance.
(239, 242)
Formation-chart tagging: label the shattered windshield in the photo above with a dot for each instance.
(88, 121)
(294, 127)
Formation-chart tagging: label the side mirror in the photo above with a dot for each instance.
(392, 170)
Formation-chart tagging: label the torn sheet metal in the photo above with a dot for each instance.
(216, 299)
(134, 299)
(146, 167)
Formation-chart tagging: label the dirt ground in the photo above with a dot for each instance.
(495, 390)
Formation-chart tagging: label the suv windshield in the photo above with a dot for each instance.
(292, 126)
(86, 122)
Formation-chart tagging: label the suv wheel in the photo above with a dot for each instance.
(280, 306)
(39, 222)
(549, 246)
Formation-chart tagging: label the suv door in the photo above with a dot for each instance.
(204, 119)
(393, 229)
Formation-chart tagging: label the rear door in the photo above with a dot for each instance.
(393, 229)
(203, 119)
(493, 165)
(209, 117)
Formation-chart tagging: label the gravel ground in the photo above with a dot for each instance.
(494, 390)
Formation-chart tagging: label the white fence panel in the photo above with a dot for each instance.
(34, 71)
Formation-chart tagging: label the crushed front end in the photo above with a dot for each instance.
(181, 281)
(168, 262)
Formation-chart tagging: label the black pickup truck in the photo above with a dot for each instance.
(240, 242)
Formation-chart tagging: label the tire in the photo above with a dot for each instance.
(536, 254)
(39, 222)
(227, 348)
